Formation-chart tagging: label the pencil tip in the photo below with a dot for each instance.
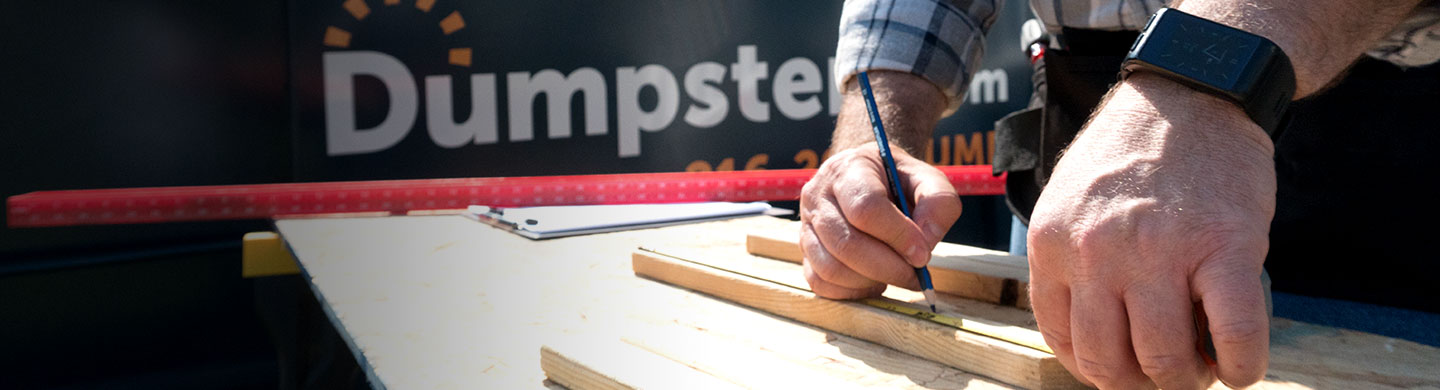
(930, 299)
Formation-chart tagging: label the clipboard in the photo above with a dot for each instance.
(539, 223)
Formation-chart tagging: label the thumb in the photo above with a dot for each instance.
(937, 205)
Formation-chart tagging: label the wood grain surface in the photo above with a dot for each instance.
(594, 363)
(970, 272)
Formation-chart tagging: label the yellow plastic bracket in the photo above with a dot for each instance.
(264, 254)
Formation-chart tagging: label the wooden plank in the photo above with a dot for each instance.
(1001, 360)
(726, 327)
(775, 245)
(768, 353)
(1013, 323)
(1306, 355)
(583, 364)
(970, 272)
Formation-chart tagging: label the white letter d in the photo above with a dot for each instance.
(341, 136)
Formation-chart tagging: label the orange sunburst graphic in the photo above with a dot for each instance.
(340, 38)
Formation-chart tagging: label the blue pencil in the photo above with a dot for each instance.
(896, 190)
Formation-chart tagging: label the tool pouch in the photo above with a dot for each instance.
(1068, 82)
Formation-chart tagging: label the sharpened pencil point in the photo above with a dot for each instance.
(930, 299)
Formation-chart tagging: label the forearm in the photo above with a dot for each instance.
(1166, 200)
(909, 107)
(1321, 37)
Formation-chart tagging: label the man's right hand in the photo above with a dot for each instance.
(855, 239)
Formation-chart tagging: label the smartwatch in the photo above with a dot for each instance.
(1245, 68)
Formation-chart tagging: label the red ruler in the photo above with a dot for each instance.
(210, 203)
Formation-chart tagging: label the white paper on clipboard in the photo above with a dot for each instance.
(559, 221)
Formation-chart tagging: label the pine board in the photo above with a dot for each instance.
(970, 272)
(982, 355)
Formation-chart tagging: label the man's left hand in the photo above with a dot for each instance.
(1164, 200)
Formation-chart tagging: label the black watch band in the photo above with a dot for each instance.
(1211, 57)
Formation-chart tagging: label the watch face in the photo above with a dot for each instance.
(1203, 50)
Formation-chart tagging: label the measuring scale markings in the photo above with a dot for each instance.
(205, 203)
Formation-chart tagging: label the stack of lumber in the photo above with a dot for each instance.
(822, 343)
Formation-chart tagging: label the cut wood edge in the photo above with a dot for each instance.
(614, 365)
(772, 246)
(974, 353)
(1022, 296)
(964, 271)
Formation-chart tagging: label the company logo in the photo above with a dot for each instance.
(339, 38)
(798, 90)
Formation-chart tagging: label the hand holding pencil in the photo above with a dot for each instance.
(855, 237)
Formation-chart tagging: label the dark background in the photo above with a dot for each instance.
(135, 93)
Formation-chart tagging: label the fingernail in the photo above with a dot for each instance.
(918, 255)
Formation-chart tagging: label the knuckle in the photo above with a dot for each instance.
(809, 246)
(825, 268)
(948, 204)
(1239, 332)
(1041, 236)
(840, 161)
(1058, 341)
(866, 206)
(1106, 231)
(835, 234)
(846, 241)
(1214, 232)
(1102, 373)
(836, 162)
(1047, 236)
(809, 190)
(1166, 365)
(826, 224)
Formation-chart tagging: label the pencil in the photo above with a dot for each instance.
(896, 191)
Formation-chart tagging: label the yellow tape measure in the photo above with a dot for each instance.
(992, 331)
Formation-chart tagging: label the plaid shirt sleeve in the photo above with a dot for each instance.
(1416, 41)
(940, 40)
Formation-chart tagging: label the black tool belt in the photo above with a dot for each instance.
(1069, 81)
